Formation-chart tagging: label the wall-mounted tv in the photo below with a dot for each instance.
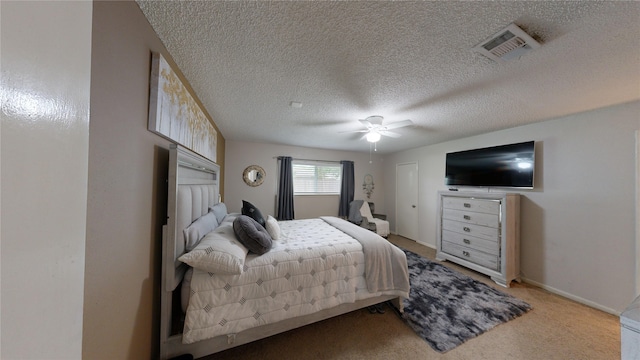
(509, 165)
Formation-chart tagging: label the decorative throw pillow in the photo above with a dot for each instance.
(219, 252)
(220, 209)
(272, 227)
(252, 235)
(250, 210)
(198, 229)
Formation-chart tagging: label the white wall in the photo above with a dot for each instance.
(46, 63)
(242, 154)
(578, 224)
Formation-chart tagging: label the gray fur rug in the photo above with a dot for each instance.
(447, 308)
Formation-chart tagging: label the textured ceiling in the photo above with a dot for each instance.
(344, 61)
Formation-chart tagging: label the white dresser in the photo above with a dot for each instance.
(480, 231)
(630, 331)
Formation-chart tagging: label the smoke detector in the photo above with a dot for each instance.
(507, 44)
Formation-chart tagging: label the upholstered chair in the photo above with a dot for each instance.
(361, 213)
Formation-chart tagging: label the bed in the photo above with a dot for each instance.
(314, 269)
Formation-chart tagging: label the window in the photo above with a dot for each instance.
(316, 177)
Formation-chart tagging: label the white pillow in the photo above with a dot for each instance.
(198, 229)
(272, 227)
(219, 252)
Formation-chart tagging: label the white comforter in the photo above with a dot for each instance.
(313, 266)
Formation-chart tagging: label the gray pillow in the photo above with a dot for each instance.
(198, 229)
(252, 235)
(220, 209)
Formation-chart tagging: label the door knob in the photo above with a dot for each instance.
(413, 206)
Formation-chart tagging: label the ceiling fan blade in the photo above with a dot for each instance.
(389, 133)
(354, 131)
(364, 136)
(398, 124)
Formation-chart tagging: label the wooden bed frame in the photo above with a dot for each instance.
(193, 187)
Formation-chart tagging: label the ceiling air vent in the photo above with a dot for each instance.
(508, 43)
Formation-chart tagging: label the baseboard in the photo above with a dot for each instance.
(417, 242)
(426, 245)
(555, 291)
(571, 297)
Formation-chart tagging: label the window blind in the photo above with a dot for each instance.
(316, 177)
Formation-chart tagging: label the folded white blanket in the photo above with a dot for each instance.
(378, 254)
(382, 226)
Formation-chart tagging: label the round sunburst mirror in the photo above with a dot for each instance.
(254, 175)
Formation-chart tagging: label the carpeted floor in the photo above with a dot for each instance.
(557, 328)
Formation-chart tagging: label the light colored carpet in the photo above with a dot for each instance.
(556, 328)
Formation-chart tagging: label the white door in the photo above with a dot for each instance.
(407, 200)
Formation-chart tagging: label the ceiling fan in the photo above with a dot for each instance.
(375, 130)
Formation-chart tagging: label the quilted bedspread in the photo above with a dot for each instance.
(312, 267)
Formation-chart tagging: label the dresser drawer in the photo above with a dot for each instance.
(484, 232)
(475, 256)
(484, 219)
(488, 246)
(475, 205)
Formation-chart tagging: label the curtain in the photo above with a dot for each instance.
(347, 189)
(285, 189)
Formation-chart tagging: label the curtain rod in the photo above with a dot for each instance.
(326, 161)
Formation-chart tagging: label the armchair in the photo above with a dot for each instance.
(360, 213)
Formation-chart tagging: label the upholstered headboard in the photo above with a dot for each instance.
(193, 188)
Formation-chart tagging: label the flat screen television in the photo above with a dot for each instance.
(510, 166)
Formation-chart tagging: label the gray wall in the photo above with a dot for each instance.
(125, 197)
(578, 224)
(127, 190)
(242, 154)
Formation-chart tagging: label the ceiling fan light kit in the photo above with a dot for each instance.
(373, 136)
(375, 130)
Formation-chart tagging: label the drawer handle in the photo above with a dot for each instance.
(465, 253)
(466, 229)
(466, 241)
(467, 205)
(467, 217)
